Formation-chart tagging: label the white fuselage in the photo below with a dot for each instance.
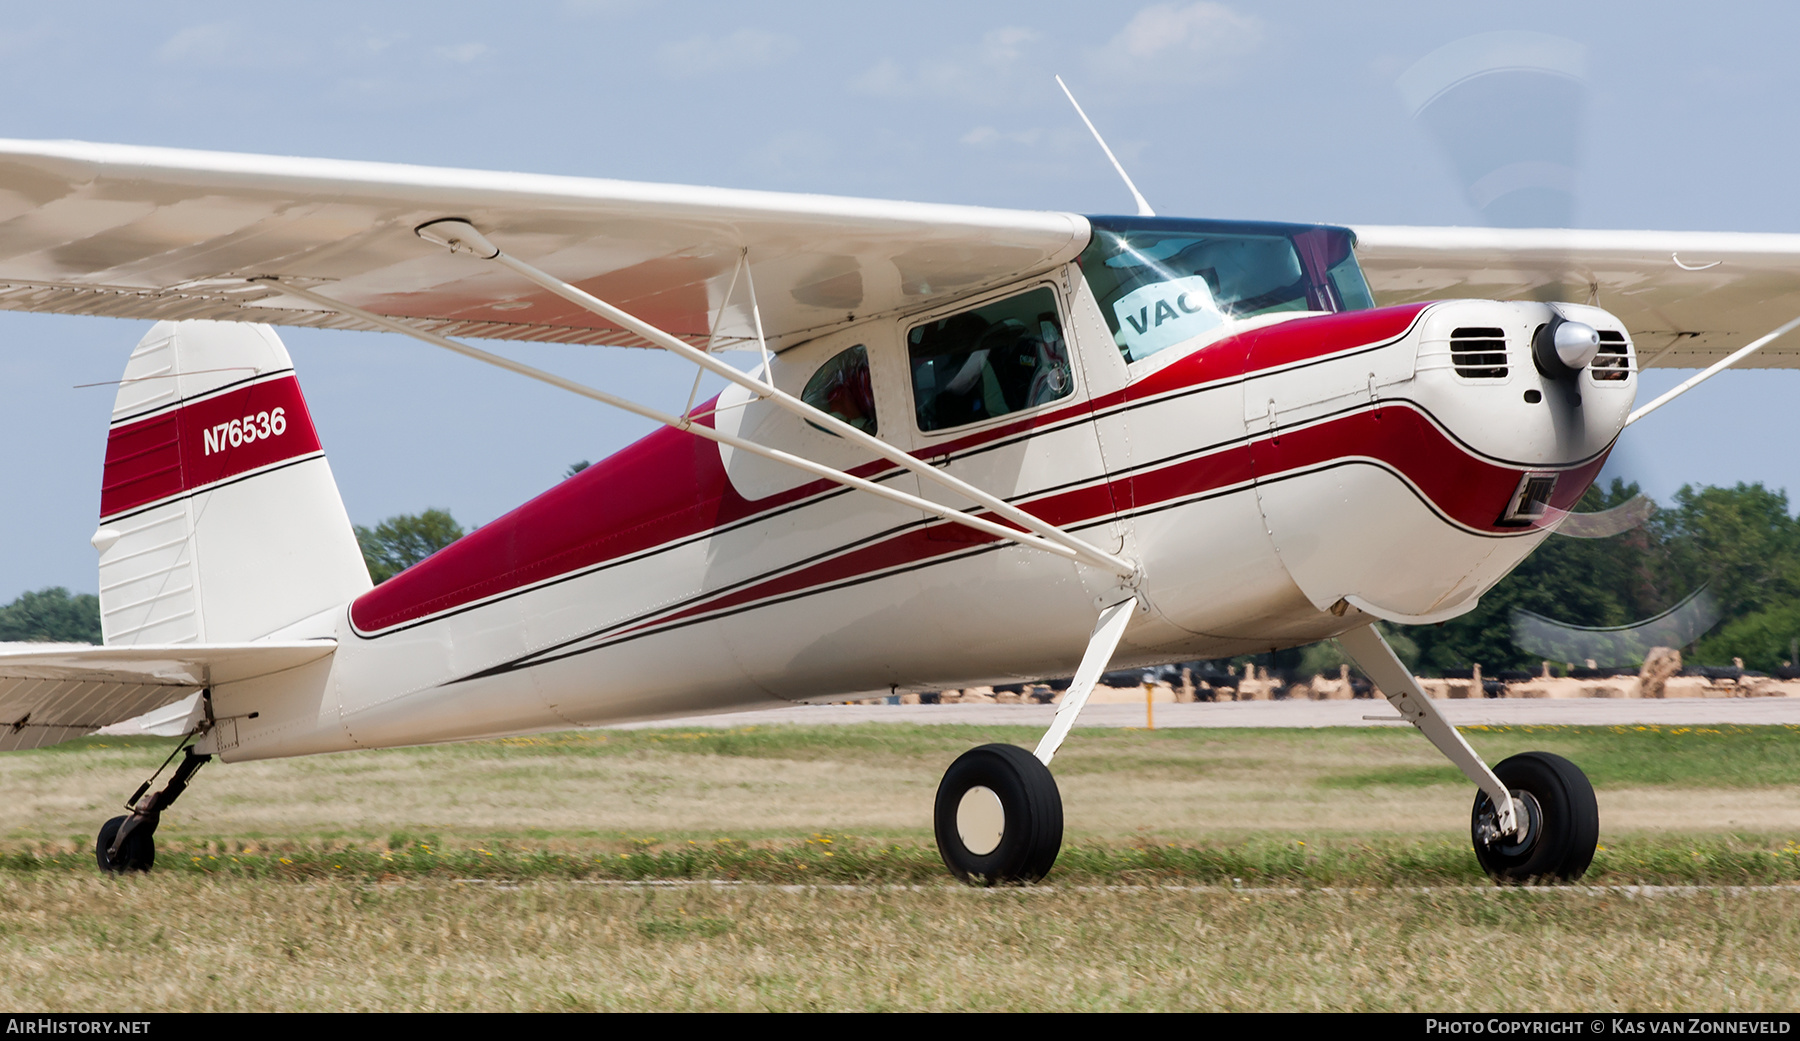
(1278, 481)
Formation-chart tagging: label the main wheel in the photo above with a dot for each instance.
(998, 817)
(1555, 803)
(136, 853)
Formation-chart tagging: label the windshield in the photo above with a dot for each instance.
(1160, 281)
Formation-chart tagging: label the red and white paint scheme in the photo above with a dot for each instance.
(215, 493)
(766, 587)
(982, 446)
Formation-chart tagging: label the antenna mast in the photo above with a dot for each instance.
(1143, 206)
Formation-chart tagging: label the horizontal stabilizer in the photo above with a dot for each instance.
(52, 692)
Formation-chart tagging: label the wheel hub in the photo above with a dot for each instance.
(980, 820)
(1530, 818)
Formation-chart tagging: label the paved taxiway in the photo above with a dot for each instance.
(1486, 712)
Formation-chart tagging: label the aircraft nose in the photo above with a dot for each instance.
(1536, 385)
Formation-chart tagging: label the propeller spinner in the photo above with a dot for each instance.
(1563, 348)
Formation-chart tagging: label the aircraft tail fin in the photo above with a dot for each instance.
(219, 518)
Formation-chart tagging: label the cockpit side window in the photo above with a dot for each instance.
(1352, 288)
(1337, 280)
(841, 388)
(993, 360)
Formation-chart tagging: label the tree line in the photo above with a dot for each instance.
(54, 615)
(1741, 543)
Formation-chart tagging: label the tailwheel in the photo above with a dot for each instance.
(126, 844)
(998, 817)
(1559, 822)
(136, 853)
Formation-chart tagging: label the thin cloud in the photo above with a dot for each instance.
(463, 52)
(1005, 66)
(797, 153)
(592, 8)
(366, 44)
(740, 51)
(227, 45)
(986, 135)
(1167, 43)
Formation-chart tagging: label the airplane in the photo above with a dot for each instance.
(980, 445)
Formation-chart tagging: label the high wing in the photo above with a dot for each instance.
(164, 233)
(158, 233)
(1689, 298)
(56, 692)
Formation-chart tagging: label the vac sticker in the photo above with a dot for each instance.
(1162, 314)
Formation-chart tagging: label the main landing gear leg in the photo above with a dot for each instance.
(1535, 816)
(999, 814)
(126, 843)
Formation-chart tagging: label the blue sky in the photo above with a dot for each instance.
(1279, 110)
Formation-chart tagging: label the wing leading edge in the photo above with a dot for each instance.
(1689, 298)
(158, 233)
(166, 233)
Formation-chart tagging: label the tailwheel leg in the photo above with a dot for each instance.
(126, 844)
(999, 814)
(1535, 817)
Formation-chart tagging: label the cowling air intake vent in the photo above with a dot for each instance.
(1530, 500)
(1614, 360)
(1479, 353)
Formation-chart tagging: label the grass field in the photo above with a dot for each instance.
(1203, 869)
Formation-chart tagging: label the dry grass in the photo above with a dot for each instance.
(878, 782)
(350, 882)
(185, 943)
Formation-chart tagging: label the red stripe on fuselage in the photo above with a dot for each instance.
(662, 488)
(1466, 489)
(1470, 490)
(672, 485)
(1276, 346)
(909, 547)
(192, 446)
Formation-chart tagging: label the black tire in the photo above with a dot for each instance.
(1030, 807)
(1559, 803)
(137, 853)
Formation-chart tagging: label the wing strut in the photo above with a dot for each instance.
(461, 237)
(1064, 546)
(1717, 367)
